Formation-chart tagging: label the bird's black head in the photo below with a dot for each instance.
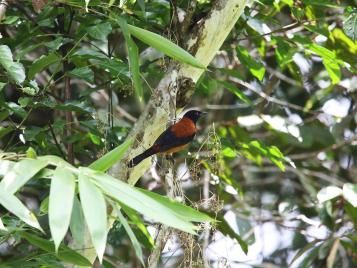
(194, 115)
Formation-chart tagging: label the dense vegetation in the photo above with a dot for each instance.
(270, 179)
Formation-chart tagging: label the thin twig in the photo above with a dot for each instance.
(55, 140)
(333, 147)
(271, 99)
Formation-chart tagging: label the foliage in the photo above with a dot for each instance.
(278, 147)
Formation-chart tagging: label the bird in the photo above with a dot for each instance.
(174, 139)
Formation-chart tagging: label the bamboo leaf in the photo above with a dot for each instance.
(146, 238)
(95, 212)
(5, 167)
(21, 173)
(133, 58)
(185, 212)
(60, 203)
(14, 205)
(129, 231)
(77, 225)
(110, 158)
(135, 199)
(64, 253)
(166, 46)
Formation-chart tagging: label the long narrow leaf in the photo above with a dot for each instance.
(13, 204)
(129, 231)
(110, 158)
(21, 173)
(5, 167)
(77, 225)
(131, 197)
(64, 253)
(185, 212)
(136, 219)
(164, 45)
(133, 58)
(60, 203)
(95, 212)
(133, 52)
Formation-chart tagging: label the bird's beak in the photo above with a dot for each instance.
(204, 113)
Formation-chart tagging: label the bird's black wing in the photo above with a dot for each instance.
(168, 140)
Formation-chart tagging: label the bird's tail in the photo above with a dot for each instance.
(137, 159)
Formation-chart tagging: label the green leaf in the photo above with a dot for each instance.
(133, 58)
(5, 130)
(31, 153)
(134, 67)
(116, 67)
(110, 158)
(76, 106)
(232, 88)
(255, 67)
(303, 250)
(135, 218)
(226, 229)
(333, 69)
(5, 167)
(95, 212)
(41, 63)
(350, 26)
(84, 73)
(29, 91)
(77, 225)
(19, 111)
(245, 229)
(21, 173)
(15, 70)
(12, 204)
(164, 45)
(328, 193)
(60, 203)
(135, 199)
(56, 161)
(185, 212)
(329, 60)
(283, 52)
(4, 114)
(229, 152)
(349, 192)
(133, 239)
(100, 31)
(64, 253)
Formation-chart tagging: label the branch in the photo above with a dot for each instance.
(271, 99)
(3, 5)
